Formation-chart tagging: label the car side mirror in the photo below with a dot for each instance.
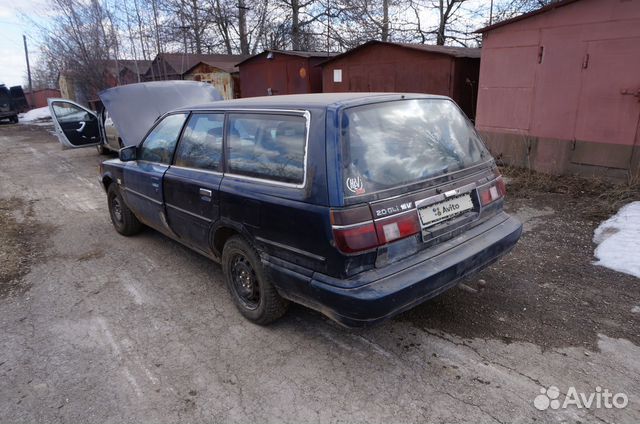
(127, 154)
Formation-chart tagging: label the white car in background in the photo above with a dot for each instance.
(112, 129)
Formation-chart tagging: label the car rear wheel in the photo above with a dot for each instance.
(124, 221)
(254, 295)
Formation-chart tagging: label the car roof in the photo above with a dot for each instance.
(303, 101)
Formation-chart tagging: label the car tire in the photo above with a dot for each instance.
(14, 119)
(251, 289)
(102, 150)
(124, 221)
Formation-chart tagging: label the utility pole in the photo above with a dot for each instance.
(26, 55)
(491, 13)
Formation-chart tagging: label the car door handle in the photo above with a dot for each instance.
(205, 192)
(155, 183)
(82, 124)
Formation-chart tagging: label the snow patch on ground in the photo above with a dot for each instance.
(38, 114)
(635, 310)
(618, 240)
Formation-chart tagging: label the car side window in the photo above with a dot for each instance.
(67, 112)
(201, 143)
(267, 146)
(161, 141)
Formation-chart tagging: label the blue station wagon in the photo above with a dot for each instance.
(357, 205)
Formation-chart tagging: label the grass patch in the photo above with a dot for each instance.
(604, 198)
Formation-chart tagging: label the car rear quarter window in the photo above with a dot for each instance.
(201, 143)
(161, 141)
(267, 146)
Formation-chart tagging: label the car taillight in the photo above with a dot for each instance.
(395, 228)
(355, 238)
(492, 191)
(360, 236)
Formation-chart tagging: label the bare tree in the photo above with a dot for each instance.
(87, 38)
(44, 73)
(358, 21)
(443, 22)
(507, 9)
(302, 16)
(188, 21)
(447, 10)
(242, 27)
(80, 40)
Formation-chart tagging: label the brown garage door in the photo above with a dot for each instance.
(609, 103)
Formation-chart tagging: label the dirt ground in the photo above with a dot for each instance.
(99, 327)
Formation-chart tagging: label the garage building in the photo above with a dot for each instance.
(402, 67)
(274, 72)
(560, 88)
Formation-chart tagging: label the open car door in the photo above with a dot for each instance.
(76, 126)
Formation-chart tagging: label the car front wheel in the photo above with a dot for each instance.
(124, 221)
(253, 294)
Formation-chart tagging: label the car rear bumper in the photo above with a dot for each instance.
(380, 294)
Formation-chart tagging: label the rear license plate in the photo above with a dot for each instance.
(438, 212)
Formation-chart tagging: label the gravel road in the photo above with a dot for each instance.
(97, 327)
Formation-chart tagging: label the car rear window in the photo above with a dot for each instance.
(269, 147)
(390, 144)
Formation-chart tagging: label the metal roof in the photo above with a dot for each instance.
(181, 63)
(446, 50)
(143, 65)
(298, 53)
(552, 6)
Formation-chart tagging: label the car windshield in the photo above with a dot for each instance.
(389, 144)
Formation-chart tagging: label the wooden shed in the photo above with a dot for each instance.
(224, 77)
(378, 66)
(282, 72)
(560, 88)
(217, 69)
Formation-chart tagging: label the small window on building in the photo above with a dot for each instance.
(161, 141)
(267, 146)
(201, 144)
(337, 75)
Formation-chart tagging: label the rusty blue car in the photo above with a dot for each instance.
(357, 205)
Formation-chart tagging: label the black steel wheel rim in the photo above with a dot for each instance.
(244, 282)
(116, 208)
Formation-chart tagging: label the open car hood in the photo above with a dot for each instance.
(135, 107)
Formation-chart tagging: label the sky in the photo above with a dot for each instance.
(13, 68)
